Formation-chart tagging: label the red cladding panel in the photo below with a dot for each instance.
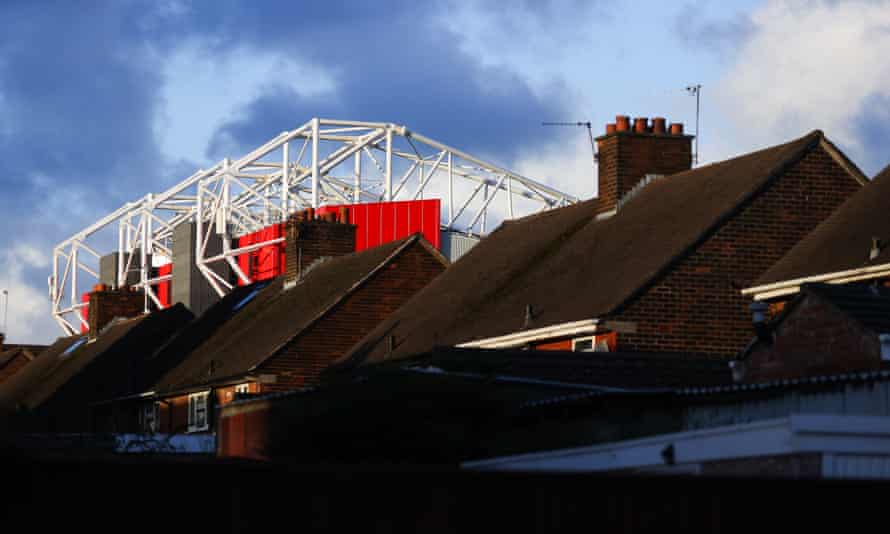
(85, 312)
(383, 222)
(163, 288)
(266, 262)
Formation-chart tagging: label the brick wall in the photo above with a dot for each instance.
(697, 307)
(309, 240)
(301, 361)
(108, 304)
(626, 157)
(814, 339)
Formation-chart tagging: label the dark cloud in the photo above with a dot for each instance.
(396, 66)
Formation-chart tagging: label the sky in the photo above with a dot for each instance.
(103, 102)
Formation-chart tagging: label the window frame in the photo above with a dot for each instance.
(198, 402)
(593, 343)
(150, 425)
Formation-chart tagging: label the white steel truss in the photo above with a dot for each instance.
(323, 162)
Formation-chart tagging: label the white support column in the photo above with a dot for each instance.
(315, 176)
(356, 194)
(450, 190)
(73, 268)
(485, 207)
(387, 184)
(121, 242)
(143, 271)
(285, 174)
(510, 196)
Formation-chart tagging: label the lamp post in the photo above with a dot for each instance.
(5, 311)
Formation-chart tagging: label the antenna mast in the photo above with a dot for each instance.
(589, 133)
(696, 90)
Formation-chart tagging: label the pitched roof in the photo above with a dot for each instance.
(8, 355)
(866, 304)
(841, 242)
(569, 265)
(55, 367)
(610, 370)
(276, 315)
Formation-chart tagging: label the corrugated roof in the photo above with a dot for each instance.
(568, 265)
(841, 242)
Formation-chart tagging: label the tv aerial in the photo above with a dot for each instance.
(589, 134)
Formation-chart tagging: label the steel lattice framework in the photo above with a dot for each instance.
(323, 162)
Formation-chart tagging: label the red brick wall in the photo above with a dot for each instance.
(814, 339)
(174, 411)
(625, 158)
(307, 241)
(697, 306)
(106, 305)
(301, 361)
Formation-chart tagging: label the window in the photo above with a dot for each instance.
(604, 343)
(242, 388)
(149, 417)
(198, 411)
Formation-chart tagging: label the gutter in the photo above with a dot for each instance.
(517, 339)
(788, 287)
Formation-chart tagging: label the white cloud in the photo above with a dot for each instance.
(29, 319)
(205, 87)
(809, 65)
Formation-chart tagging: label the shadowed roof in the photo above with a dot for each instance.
(567, 265)
(277, 315)
(56, 366)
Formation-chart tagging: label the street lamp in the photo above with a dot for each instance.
(5, 311)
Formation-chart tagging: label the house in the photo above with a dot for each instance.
(55, 391)
(14, 357)
(825, 329)
(849, 246)
(280, 334)
(451, 405)
(654, 264)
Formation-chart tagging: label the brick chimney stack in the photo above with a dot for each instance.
(310, 237)
(628, 152)
(107, 303)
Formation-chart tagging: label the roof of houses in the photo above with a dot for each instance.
(844, 240)
(607, 370)
(271, 315)
(8, 355)
(68, 357)
(568, 264)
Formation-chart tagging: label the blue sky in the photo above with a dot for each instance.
(102, 102)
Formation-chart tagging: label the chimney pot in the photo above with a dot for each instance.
(622, 123)
(344, 215)
(876, 246)
(610, 128)
(658, 125)
(330, 217)
(641, 125)
(677, 128)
